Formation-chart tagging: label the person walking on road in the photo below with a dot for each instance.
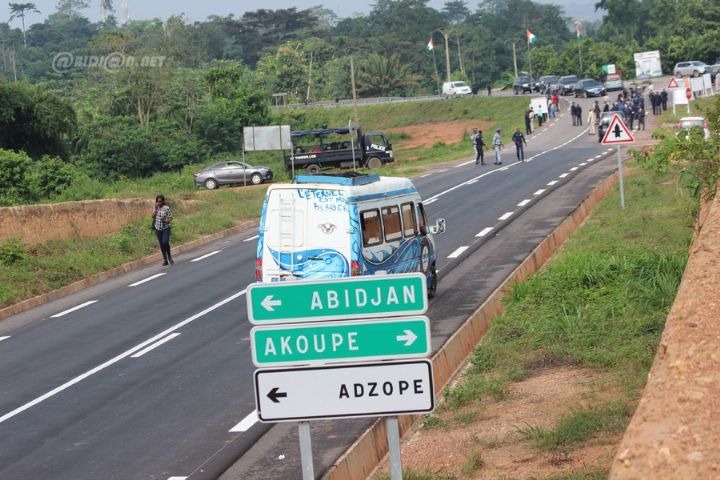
(489, 90)
(579, 115)
(478, 143)
(162, 218)
(528, 121)
(498, 145)
(663, 99)
(592, 120)
(573, 113)
(519, 140)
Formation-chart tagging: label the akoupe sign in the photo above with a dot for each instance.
(337, 299)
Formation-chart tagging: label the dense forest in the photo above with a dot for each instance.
(116, 100)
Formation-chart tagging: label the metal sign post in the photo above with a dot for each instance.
(306, 451)
(616, 134)
(393, 435)
(620, 177)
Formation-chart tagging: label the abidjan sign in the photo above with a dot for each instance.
(337, 299)
(353, 340)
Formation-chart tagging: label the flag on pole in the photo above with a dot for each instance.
(429, 46)
(578, 31)
(531, 38)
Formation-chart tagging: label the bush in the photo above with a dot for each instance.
(49, 176)
(12, 252)
(14, 187)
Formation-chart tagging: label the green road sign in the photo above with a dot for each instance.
(285, 345)
(337, 299)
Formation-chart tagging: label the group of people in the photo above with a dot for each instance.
(478, 143)
(576, 114)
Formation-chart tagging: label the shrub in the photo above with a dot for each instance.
(14, 187)
(12, 251)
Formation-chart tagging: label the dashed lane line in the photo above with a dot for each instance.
(246, 423)
(506, 216)
(539, 192)
(563, 175)
(550, 184)
(207, 255)
(484, 232)
(457, 252)
(251, 238)
(70, 310)
(524, 202)
(148, 279)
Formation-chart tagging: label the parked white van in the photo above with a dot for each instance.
(456, 88)
(338, 226)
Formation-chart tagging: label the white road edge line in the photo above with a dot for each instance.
(246, 423)
(70, 310)
(117, 358)
(207, 256)
(524, 202)
(426, 175)
(583, 164)
(484, 232)
(472, 181)
(464, 163)
(177, 478)
(157, 275)
(457, 252)
(3, 338)
(506, 216)
(155, 345)
(539, 192)
(573, 169)
(563, 175)
(550, 184)
(251, 238)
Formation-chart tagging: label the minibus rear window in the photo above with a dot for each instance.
(371, 227)
(408, 216)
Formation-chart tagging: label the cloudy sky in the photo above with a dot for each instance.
(199, 10)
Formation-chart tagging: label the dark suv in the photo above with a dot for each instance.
(523, 84)
(567, 83)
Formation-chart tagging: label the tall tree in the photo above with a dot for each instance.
(71, 8)
(456, 10)
(19, 10)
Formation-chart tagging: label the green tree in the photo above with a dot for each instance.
(71, 8)
(383, 76)
(14, 187)
(20, 10)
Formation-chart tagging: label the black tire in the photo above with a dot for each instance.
(211, 184)
(432, 288)
(313, 169)
(696, 73)
(374, 163)
(256, 179)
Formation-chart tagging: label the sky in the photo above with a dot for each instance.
(199, 9)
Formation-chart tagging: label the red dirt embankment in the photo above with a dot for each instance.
(675, 432)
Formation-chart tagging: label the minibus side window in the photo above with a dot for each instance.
(371, 227)
(422, 219)
(408, 216)
(391, 223)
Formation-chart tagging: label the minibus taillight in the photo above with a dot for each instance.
(354, 268)
(258, 269)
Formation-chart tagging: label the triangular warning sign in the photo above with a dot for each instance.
(617, 132)
(673, 83)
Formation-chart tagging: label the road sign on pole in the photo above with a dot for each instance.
(673, 84)
(337, 299)
(617, 132)
(359, 390)
(356, 340)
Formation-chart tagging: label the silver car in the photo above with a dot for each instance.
(231, 173)
(694, 69)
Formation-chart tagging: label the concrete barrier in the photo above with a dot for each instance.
(675, 432)
(370, 449)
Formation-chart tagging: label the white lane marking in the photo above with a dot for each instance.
(583, 164)
(3, 338)
(157, 275)
(428, 202)
(550, 184)
(473, 181)
(117, 358)
(503, 169)
(609, 150)
(207, 256)
(154, 345)
(484, 232)
(523, 203)
(563, 175)
(598, 156)
(506, 216)
(573, 169)
(590, 160)
(442, 171)
(251, 238)
(177, 478)
(457, 252)
(539, 192)
(464, 163)
(70, 310)
(246, 423)
(426, 175)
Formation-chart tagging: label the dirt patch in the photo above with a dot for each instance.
(492, 446)
(426, 135)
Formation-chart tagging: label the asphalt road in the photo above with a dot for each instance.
(151, 378)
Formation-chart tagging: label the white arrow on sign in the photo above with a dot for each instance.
(268, 303)
(409, 337)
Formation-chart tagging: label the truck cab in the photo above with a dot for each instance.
(314, 150)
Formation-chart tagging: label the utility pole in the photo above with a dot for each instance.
(354, 91)
(447, 55)
(514, 41)
(457, 37)
(307, 97)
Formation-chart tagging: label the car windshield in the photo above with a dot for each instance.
(459, 84)
(568, 80)
(698, 64)
(551, 79)
(591, 83)
(613, 77)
